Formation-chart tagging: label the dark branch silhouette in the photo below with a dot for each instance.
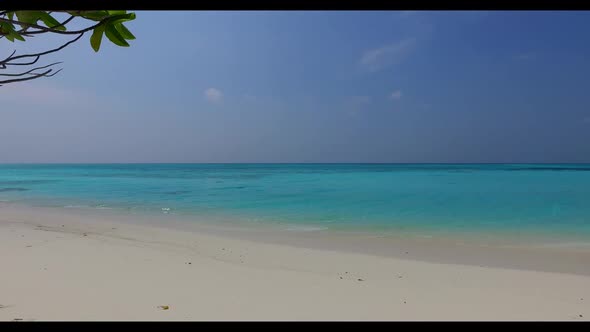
(12, 58)
(9, 61)
(24, 31)
(45, 29)
(44, 74)
(103, 22)
(30, 70)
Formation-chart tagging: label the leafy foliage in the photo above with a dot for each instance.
(21, 25)
(110, 23)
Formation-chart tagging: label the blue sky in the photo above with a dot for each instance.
(312, 87)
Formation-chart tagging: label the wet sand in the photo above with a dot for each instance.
(74, 265)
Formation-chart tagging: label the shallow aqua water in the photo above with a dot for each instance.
(480, 198)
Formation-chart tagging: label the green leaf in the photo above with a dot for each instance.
(96, 37)
(116, 12)
(51, 22)
(9, 32)
(114, 36)
(95, 15)
(10, 15)
(6, 27)
(16, 35)
(28, 16)
(121, 18)
(124, 32)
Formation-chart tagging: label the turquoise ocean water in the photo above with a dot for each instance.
(512, 199)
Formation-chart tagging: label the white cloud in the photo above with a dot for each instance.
(392, 54)
(213, 95)
(396, 95)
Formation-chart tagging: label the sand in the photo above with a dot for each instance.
(59, 265)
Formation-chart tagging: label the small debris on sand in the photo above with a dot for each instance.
(85, 234)
(163, 307)
(340, 277)
(29, 246)
(360, 279)
(17, 319)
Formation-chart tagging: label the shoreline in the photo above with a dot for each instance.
(561, 257)
(79, 266)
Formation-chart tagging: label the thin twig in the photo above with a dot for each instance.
(11, 58)
(22, 63)
(24, 31)
(45, 29)
(54, 73)
(11, 54)
(30, 71)
(26, 78)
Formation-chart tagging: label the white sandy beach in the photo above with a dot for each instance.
(60, 267)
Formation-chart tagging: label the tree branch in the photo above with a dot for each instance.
(45, 29)
(44, 74)
(22, 64)
(24, 31)
(2, 65)
(29, 71)
(36, 27)
(11, 58)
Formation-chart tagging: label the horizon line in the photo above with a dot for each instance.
(290, 163)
